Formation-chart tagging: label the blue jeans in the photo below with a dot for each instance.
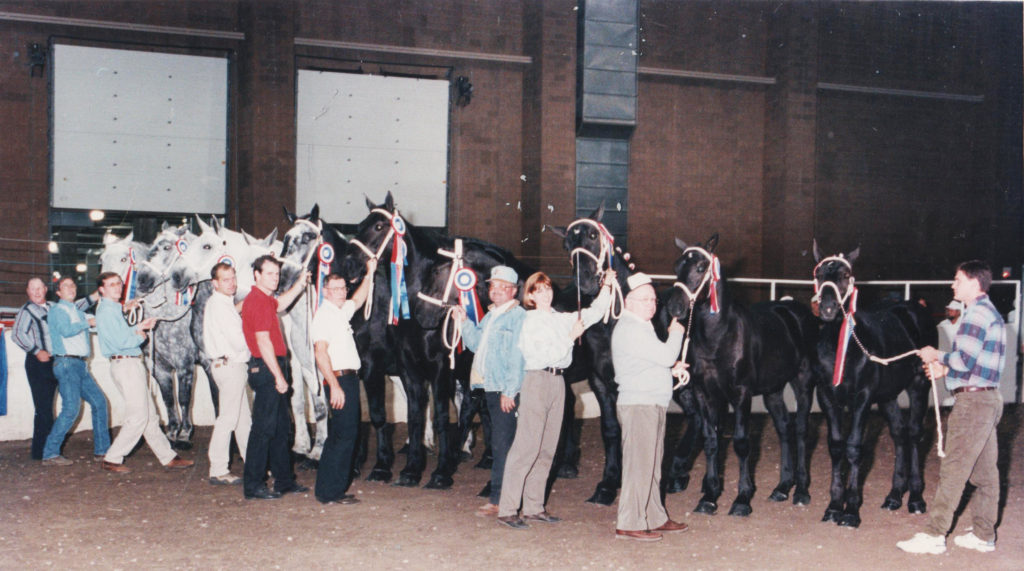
(75, 384)
(503, 432)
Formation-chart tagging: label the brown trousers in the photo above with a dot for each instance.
(643, 446)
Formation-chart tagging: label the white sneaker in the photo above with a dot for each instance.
(971, 541)
(924, 543)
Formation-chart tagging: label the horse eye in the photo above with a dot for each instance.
(379, 226)
(593, 235)
(575, 230)
(207, 247)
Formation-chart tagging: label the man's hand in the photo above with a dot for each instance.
(337, 396)
(929, 354)
(131, 305)
(609, 277)
(92, 321)
(43, 355)
(147, 324)
(679, 368)
(280, 384)
(508, 404)
(577, 330)
(371, 265)
(935, 371)
(459, 313)
(676, 327)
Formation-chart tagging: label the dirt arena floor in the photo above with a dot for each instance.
(81, 517)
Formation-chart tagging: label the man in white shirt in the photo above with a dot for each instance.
(643, 372)
(222, 335)
(337, 359)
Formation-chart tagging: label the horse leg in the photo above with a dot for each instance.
(567, 455)
(741, 444)
(780, 417)
(164, 375)
(678, 477)
(186, 380)
(611, 434)
(802, 391)
(711, 487)
(894, 416)
(854, 448)
(441, 478)
(915, 436)
(836, 449)
(416, 396)
(375, 383)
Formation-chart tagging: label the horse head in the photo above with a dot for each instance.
(372, 238)
(208, 248)
(590, 248)
(171, 243)
(248, 250)
(120, 254)
(833, 282)
(299, 245)
(698, 277)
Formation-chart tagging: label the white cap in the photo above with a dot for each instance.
(955, 306)
(638, 279)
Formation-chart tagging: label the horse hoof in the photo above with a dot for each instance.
(407, 481)
(801, 499)
(741, 510)
(379, 475)
(602, 496)
(404, 449)
(439, 482)
(485, 463)
(308, 464)
(465, 456)
(849, 520)
(832, 515)
(917, 507)
(181, 445)
(892, 504)
(568, 472)
(706, 507)
(676, 485)
(778, 496)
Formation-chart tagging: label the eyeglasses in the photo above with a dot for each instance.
(645, 299)
(493, 285)
(337, 288)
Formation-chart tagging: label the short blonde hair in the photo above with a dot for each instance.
(532, 284)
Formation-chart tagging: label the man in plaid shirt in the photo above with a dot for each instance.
(972, 371)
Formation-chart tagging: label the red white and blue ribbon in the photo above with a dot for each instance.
(130, 282)
(716, 276)
(184, 297)
(399, 307)
(226, 259)
(845, 332)
(465, 282)
(325, 255)
(182, 246)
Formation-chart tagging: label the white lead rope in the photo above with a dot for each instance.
(368, 307)
(938, 416)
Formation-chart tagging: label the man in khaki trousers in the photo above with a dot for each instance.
(643, 371)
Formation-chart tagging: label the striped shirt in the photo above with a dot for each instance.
(31, 332)
(979, 348)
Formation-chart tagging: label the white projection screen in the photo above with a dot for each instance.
(363, 135)
(139, 131)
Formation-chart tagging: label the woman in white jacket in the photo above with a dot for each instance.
(546, 341)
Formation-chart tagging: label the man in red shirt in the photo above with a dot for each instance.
(269, 377)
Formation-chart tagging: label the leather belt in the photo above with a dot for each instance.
(554, 370)
(119, 357)
(972, 389)
(343, 372)
(79, 357)
(219, 362)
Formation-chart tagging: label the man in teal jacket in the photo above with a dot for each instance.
(498, 367)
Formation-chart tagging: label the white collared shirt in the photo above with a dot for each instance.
(222, 330)
(332, 324)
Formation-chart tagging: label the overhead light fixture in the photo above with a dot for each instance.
(52, 247)
(97, 215)
(80, 268)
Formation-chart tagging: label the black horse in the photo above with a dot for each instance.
(885, 330)
(737, 353)
(421, 357)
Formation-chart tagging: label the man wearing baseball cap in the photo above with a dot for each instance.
(498, 367)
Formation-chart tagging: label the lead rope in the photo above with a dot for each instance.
(938, 416)
(684, 375)
(451, 340)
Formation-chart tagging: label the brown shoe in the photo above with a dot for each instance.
(487, 510)
(639, 535)
(672, 527)
(116, 468)
(178, 463)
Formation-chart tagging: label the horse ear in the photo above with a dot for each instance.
(712, 243)
(315, 213)
(681, 245)
(389, 202)
(288, 215)
(269, 240)
(369, 204)
(203, 226)
(217, 227)
(181, 230)
(853, 255)
(817, 251)
(598, 213)
(339, 235)
(163, 226)
(560, 231)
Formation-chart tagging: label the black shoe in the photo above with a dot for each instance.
(295, 488)
(513, 521)
(346, 500)
(262, 494)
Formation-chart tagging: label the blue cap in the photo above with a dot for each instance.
(505, 274)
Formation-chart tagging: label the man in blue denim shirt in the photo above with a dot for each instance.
(498, 366)
(69, 339)
(972, 370)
